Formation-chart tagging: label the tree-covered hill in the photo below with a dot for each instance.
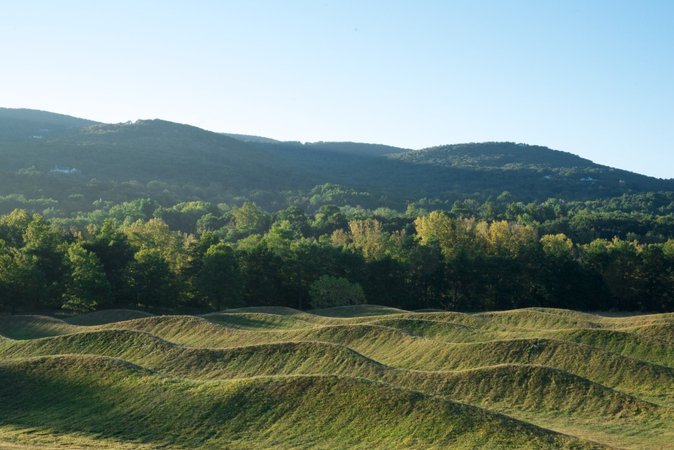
(147, 150)
(533, 171)
(21, 125)
(66, 164)
(499, 155)
(456, 171)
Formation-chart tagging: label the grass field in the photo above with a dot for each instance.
(351, 377)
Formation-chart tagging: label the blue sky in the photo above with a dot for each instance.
(592, 77)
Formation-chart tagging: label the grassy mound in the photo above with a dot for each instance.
(662, 332)
(437, 329)
(287, 358)
(107, 316)
(530, 388)
(130, 345)
(533, 319)
(255, 321)
(284, 375)
(652, 347)
(185, 330)
(527, 387)
(398, 349)
(278, 310)
(29, 327)
(357, 311)
(94, 396)
(616, 371)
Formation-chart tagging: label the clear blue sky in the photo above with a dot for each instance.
(592, 77)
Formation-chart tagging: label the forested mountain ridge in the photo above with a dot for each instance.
(143, 150)
(499, 155)
(60, 160)
(23, 124)
(533, 171)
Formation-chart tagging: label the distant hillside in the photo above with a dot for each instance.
(249, 138)
(62, 159)
(148, 158)
(354, 148)
(26, 124)
(534, 169)
(165, 151)
(499, 155)
(451, 172)
(43, 118)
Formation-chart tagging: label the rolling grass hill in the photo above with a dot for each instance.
(80, 395)
(362, 376)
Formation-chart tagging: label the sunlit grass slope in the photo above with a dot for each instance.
(111, 398)
(363, 376)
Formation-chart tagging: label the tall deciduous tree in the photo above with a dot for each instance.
(22, 283)
(151, 281)
(219, 279)
(368, 237)
(87, 287)
(250, 218)
(115, 253)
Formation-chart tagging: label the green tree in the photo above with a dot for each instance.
(87, 287)
(327, 219)
(22, 283)
(618, 262)
(280, 237)
(151, 280)
(250, 218)
(329, 291)
(115, 253)
(46, 245)
(155, 235)
(13, 226)
(219, 280)
(557, 246)
(296, 217)
(132, 211)
(185, 216)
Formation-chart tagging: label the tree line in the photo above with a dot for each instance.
(192, 258)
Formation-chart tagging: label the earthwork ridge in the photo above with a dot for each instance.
(350, 377)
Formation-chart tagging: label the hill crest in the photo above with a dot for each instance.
(188, 163)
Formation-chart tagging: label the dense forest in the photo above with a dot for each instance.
(195, 257)
(170, 217)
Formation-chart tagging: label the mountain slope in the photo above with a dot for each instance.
(149, 150)
(56, 158)
(22, 124)
(528, 167)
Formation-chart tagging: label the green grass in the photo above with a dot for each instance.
(105, 397)
(254, 321)
(107, 316)
(356, 311)
(362, 376)
(27, 327)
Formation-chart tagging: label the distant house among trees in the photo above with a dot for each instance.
(64, 171)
